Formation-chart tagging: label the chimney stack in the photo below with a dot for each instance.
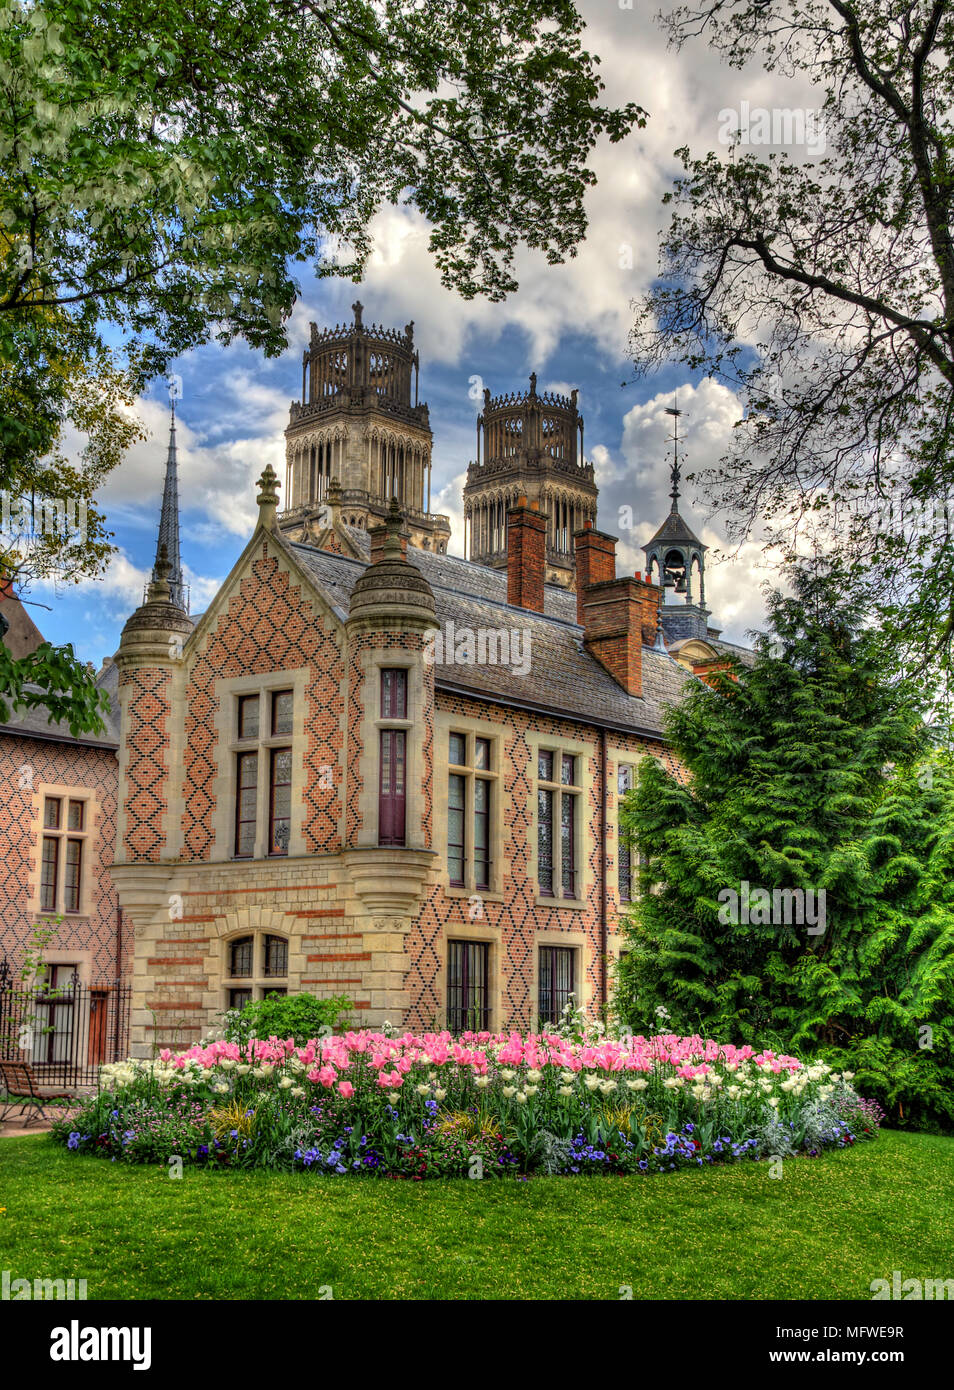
(526, 556)
(595, 562)
(618, 616)
(379, 534)
(650, 597)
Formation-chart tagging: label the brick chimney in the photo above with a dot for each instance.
(378, 535)
(650, 598)
(526, 556)
(618, 616)
(613, 629)
(595, 561)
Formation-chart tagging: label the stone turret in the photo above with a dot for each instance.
(390, 750)
(150, 663)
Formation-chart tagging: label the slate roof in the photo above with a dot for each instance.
(563, 677)
(744, 654)
(676, 530)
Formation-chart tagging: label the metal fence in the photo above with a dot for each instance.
(67, 1031)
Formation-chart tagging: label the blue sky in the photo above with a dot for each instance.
(569, 324)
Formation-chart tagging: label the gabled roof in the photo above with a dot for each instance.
(563, 677)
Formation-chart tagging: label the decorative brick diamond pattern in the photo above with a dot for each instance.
(147, 743)
(520, 917)
(26, 764)
(268, 626)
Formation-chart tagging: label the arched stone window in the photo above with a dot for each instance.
(256, 965)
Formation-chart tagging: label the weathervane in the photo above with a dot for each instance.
(675, 412)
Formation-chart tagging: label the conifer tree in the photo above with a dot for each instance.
(811, 770)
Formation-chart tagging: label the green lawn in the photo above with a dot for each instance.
(825, 1229)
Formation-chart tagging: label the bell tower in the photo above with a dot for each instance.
(360, 422)
(529, 445)
(675, 559)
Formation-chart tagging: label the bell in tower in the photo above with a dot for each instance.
(675, 558)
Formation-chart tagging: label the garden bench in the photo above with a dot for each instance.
(19, 1081)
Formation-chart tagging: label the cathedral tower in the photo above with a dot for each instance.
(359, 421)
(529, 446)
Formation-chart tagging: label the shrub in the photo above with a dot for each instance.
(298, 1016)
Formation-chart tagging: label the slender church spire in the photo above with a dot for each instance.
(169, 522)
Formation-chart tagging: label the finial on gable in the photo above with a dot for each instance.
(267, 499)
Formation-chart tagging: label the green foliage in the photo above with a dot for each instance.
(168, 168)
(812, 770)
(170, 165)
(816, 279)
(298, 1016)
(51, 678)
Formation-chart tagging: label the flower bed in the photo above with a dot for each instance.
(426, 1105)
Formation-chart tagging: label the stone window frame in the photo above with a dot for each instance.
(446, 722)
(481, 933)
(621, 763)
(228, 747)
(579, 943)
(89, 863)
(583, 790)
(258, 982)
(472, 774)
(373, 661)
(620, 757)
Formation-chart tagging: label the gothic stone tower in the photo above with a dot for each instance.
(358, 424)
(529, 446)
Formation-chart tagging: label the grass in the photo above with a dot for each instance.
(824, 1230)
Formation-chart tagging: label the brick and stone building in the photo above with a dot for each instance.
(371, 768)
(58, 833)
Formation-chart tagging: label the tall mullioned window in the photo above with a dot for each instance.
(263, 720)
(624, 856)
(556, 967)
(470, 799)
(558, 801)
(468, 991)
(62, 853)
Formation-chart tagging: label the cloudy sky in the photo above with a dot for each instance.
(569, 324)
